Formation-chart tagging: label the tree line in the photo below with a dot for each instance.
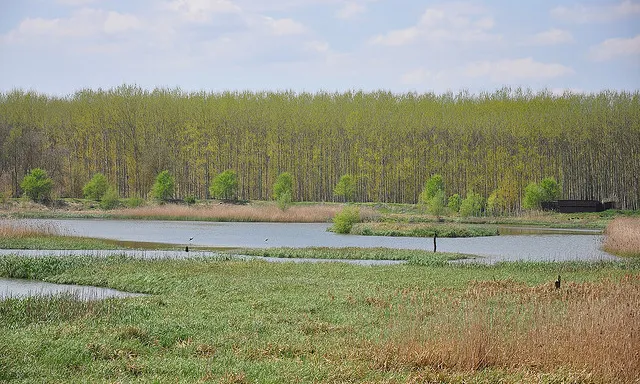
(388, 144)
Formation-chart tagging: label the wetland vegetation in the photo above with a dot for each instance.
(250, 321)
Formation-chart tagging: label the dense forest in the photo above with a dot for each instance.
(390, 143)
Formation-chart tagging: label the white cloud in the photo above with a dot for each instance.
(551, 37)
(284, 27)
(458, 22)
(200, 11)
(317, 46)
(517, 69)
(75, 3)
(83, 23)
(350, 10)
(419, 76)
(580, 13)
(614, 48)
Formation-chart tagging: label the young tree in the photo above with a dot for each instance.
(532, 196)
(454, 203)
(472, 205)
(225, 186)
(110, 199)
(96, 187)
(284, 183)
(431, 188)
(164, 186)
(346, 187)
(37, 185)
(436, 204)
(550, 189)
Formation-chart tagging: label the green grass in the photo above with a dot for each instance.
(423, 230)
(237, 321)
(417, 257)
(57, 242)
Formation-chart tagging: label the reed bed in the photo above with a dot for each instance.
(590, 329)
(622, 236)
(228, 212)
(14, 229)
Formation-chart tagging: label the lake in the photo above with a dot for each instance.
(554, 246)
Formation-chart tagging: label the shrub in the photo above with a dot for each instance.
(37, 185)
(472, 205)
(495, 204)
(284, 201)
(110, 199)
(431, 187)
(454, 203)
(134, 202)
(532, 196)
(163, 187)
(96, 187)
(436, 204)
(283, 183)
(345, 219)
(346, 188)
(190, 200)
(550, 189)
(225, 186)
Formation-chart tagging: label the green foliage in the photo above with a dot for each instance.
(495, 204)
(472, 205)
(37, 185)
(345, 219)
(225, 186)
(96, 187)
(164, 186)
(436, 204)
(110, 199)
(346, 187)
(284, 183)
(284, 201)
(550, 189)
(190, 200)
(454, 203)
(134, 202)
(3, 198)
(431, 188)
(532, 196)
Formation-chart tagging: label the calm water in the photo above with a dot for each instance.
(24, 288)
(540, 247)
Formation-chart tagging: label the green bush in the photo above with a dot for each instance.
(346, 188)
(284, 183)
(164, 186)
(96, 187)
(550, 189)
(37, 185)
(110, 199)
(345, 219)
(436, 204)
(284, 201)
(190, 200)
(472, 205)
(431, 187)
(134, 202)
(225, 186)
(454, 203)
(536, 194)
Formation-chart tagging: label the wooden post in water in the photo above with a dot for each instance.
(435, 236)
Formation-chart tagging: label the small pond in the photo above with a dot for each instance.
(11, 288)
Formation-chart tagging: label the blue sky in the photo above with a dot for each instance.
(60, 46)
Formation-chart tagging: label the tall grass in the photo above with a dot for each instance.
(622, 236)
(11, 229)
(591, 328)
(228, 212)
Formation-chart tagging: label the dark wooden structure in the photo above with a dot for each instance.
(571, 206)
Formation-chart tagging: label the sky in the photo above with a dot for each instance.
(62, 46)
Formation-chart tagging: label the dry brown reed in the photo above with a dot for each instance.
(589, 329)
(13, 229)
(622, 236)
(230, 212)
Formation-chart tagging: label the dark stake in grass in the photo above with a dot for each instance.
(557, 282)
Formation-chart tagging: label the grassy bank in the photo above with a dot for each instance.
(19, 235)
(261, 211)
(242, 322)
(424, 229)
(622, 237)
